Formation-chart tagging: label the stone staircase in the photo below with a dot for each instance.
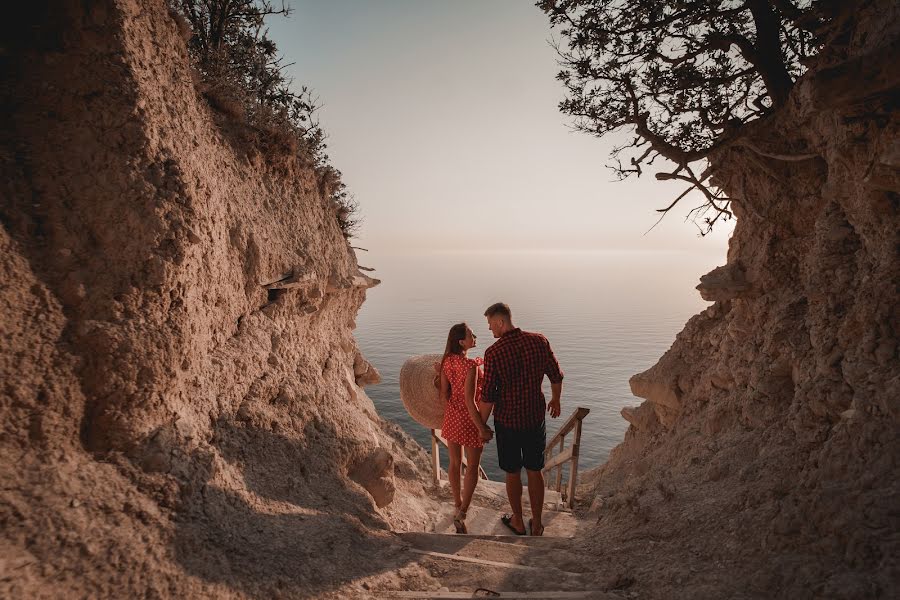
(492, 562)
(489, 503)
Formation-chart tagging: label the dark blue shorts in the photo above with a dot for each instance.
(520, 448)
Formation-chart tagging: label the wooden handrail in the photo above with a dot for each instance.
(553, 459)
(565, 455)
(579, 414)
(437, 438)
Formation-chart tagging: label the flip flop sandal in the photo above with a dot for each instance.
(507, 520)
(531, 529)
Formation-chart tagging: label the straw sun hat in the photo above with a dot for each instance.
(418, 391)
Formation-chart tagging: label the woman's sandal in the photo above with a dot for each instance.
(459, 521)
(507, 520)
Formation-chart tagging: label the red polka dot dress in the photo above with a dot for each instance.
(458, 426)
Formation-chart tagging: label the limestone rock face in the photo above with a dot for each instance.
(182, 413)
(364, 372)
(770, 435)
(723, 283)
(643, 417)
(376, 474)
(664, 393)
(659, 385)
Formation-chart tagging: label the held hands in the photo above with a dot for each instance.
(485, 432)
(554, 408)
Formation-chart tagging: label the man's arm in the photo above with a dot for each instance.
(555, 375)
(491, 388)
(554, 407)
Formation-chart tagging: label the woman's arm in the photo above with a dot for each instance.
(471, 386)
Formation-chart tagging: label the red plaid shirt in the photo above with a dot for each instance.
(514, 368)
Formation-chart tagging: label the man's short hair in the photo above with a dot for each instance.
(500, 308)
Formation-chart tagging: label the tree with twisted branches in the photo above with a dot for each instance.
(683, 76)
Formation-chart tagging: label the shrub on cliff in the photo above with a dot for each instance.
(682, 76)
(241, 74)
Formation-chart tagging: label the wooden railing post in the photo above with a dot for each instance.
(559, 469)
(437, 440)
(558, 461)
(573, 472)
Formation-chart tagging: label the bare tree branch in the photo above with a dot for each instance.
(685, 77)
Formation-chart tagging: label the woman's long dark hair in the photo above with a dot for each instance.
(456, 335)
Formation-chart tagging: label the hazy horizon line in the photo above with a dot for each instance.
(470, 251)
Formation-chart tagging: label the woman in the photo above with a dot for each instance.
(460, 387)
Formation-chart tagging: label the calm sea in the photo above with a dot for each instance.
(608, 315)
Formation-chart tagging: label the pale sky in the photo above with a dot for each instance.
(442, 116)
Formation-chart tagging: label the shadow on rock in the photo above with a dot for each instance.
(299, 471)
(224, 540)
(300, 531)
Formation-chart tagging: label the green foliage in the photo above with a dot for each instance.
(242, 74)
(347, 211)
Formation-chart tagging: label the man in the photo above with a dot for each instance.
(514, 368)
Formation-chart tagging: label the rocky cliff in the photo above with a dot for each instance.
(764, 459)
(182, 403)
(182, 407)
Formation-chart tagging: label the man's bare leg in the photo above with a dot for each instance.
(536, 496)
(514, 493)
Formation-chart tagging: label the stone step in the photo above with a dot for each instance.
(486, 521)
(493, 493)
(524, 553)
(478, 560)
(468, 563)
(491, 557)
(546, 595)
(423, 539)
(496, 491)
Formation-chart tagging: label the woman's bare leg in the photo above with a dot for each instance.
(455, 452)
(473, 459)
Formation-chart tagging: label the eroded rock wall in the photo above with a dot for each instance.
(764, 459)
(182, 407)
